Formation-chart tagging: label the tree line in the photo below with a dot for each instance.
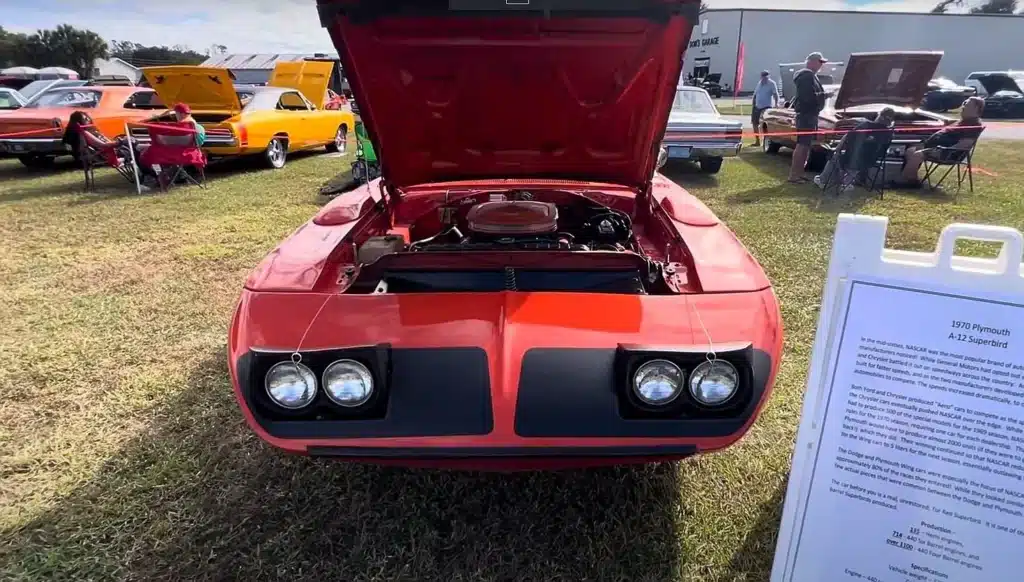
(1008, 7)
(78, 49)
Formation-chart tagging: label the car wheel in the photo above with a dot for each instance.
(340, 143)
(710, 165)
(276, 153)
(767, 145)
(36, 161)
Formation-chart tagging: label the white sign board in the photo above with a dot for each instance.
(909, 462)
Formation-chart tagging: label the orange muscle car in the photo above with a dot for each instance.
(38, 132)
(872, 81)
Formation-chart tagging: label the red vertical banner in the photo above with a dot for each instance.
(739, 70)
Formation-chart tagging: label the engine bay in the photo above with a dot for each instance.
(550, 240)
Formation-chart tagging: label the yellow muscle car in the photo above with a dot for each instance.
(286, 115)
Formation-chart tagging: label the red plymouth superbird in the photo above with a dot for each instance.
(520, 288)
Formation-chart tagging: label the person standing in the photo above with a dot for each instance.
(809, 101)
(766, 96)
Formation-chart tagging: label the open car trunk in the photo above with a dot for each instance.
(999, 82)
(438, 109)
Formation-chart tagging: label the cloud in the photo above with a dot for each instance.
(270, 26)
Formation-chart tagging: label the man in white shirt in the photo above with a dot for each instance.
(766, 96)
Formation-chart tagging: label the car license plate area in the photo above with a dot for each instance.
(679, 151)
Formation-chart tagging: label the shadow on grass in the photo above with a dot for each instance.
(12, 169)
(197, 497)
(753, 561)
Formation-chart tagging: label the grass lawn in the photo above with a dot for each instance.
(123, 455)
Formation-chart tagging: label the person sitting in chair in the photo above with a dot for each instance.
(856, 152)
(960, 136)
(183, 114)
(81, 124)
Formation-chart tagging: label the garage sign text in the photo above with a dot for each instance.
(704, 42)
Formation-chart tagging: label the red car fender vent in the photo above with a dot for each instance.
(690, 213)
(344, 209)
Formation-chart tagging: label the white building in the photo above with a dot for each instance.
(256, 68)
(116, 66)
(769, 38)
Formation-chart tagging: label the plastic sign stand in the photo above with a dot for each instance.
(909, 461)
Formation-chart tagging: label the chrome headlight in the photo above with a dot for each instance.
(348, 383)
(658, 382)
(714, 382)
(290, 385)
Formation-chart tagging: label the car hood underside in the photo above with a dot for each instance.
(451, 94)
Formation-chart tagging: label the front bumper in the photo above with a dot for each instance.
(48, 146)
(694, 150)
(570, 409)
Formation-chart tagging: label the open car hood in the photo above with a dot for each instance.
(713, 78)
(522, 91)
(996, 83)
(201, 88)
(310, 78)
(894, 78)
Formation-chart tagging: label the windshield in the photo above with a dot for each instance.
(34, 87)
(77, 98)
(693, 102)
(7, 100)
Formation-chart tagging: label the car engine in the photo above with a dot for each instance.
(520, 223)
(462, 241)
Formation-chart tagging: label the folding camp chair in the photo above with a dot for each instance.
(95, 151)
(858, 160)
(173, 150)
(951, 158)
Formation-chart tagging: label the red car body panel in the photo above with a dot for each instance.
(508, 379)
(599, 89)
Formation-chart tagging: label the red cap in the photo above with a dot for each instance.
(183, 109)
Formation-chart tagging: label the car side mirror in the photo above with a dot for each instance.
(662, 157)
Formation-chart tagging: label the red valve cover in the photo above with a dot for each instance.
(516, 217)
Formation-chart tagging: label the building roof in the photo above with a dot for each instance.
(118, 61)
(262, 61)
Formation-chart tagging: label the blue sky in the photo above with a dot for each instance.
(268, 26)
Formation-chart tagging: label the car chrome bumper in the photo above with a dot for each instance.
(211, 141)
(33, 146)
(702, 149)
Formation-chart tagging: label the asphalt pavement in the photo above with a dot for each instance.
(994, 128)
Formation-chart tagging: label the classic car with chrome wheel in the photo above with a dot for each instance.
(41, 131)
(697, 131)
(270, 121)
(522, 293)
(872, 81)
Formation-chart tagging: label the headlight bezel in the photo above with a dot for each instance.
(303, 370)
(375, 358)
(684, 407)
(360, 367)
(634, 384)
(710, 364)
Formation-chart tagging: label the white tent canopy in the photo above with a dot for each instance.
(57, 73)
(20, 72)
